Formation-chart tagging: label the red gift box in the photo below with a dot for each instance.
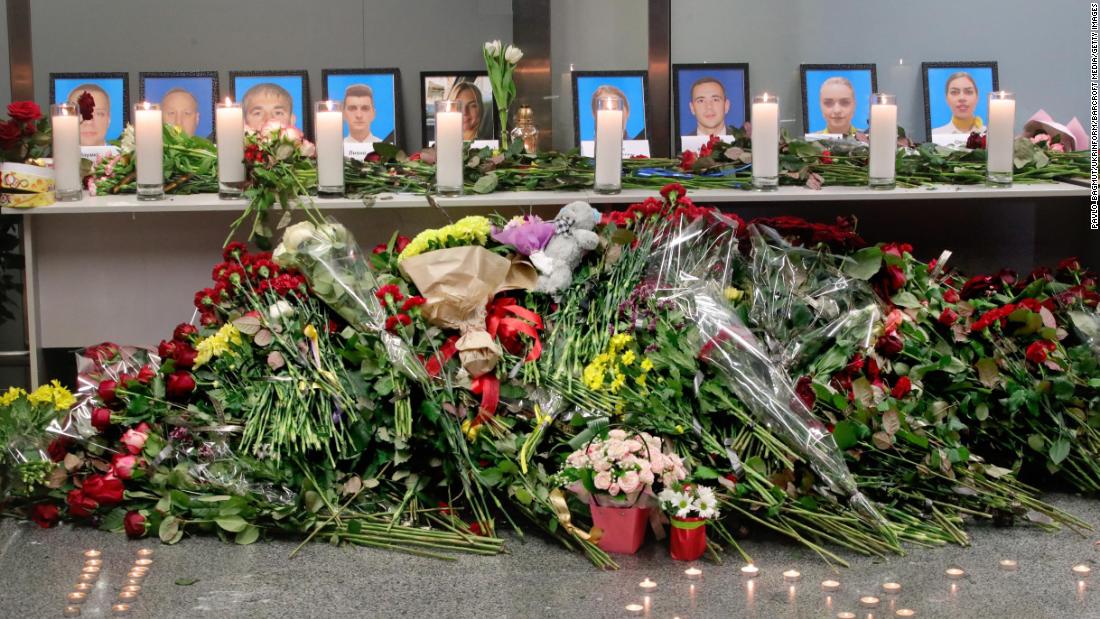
(688, 540)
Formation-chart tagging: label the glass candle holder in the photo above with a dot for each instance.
(998, 138)
(65, 124)
(328, 126)
(610, 125)
(884, 141)
(448, 147)
(229, 128)
(149, 150)
(765, 142)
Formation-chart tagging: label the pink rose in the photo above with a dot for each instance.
(1057, 148)
(629, 482)
(613, 489)
(134, 439)
(602, 480)
(308, 149)
(122, 465)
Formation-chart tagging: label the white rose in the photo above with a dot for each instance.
(336, 233)
(281, 256)
(513, 54)
(296, 234)
(492, 48)
(308, 148)
(280, 310)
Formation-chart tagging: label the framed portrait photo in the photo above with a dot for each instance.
(630, 86)
(956, 99)
(473, 89)
(186, 98)
(111, 93)
(836, 98)
(710, 99)
(273, 96)
(371, 100)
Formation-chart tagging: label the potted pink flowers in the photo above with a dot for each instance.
(616, 476)
(688, 508)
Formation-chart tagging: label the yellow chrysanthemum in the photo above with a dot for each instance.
(53, 394)
(647, 365)
(734, 294)
(472, 230)
(640, 380)
(593, 375)
(11, 395)
(628, 358)
(617, 382)
(217, 344)
(618, 341)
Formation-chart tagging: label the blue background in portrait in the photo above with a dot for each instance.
(113, 87)
(384, 109)
(201, 87)
(734, 82)
(937, 99)
(861, 82)
(635, 96)
(292, 84)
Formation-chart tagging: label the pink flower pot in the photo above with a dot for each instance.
(623, 527)
(688, 540)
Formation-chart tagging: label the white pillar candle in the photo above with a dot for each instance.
(65, 121)
(884, 140)
(765, 141)
(149, 147)
(609, 145)
(448, 146)
(329, 124)
(1002, 119)
(229, 127)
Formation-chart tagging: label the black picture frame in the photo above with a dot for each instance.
(307, 102)
(77, 75)
(692, 66)
(966, 64)
(424, 75)
(576, 75)
(215, 90)
(805, 68)
(398, 100)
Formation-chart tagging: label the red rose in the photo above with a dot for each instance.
(978, 286)
(1071, 264)
(123, 465)
(101, 418)
(185, 356)
(179, 385)
(401, 244)
(975, 141)
(855, 366)
(135, 524)
(826, 157)
(58, 449)
(9, 132)
(374, 157)
(897, 249)
(948, 317)
(146, 374)
(45, 515)
(86, 103)
(80, 504)
(104, 489)
(1037, 351)
(167, 349)
(805, 391)
(380, 249)
(106, 391)
(687, 161)
(894, 278)
(901, 388)
(950, 296)
(889, 345)
(24, 111)
(184, 332)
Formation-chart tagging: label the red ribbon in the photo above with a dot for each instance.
(507, 320)
(434, 365)
(488, 387)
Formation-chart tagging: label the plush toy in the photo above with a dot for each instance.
(573, 236)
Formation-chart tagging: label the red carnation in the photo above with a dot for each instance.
(901, 388)
(1037, 351)
(263, 268)
(58, 449)
(179, 385)
(393, 321)
(104, 489)
(207, 297)
(826, 157)
(402, 243)
(687, 161)
(671, 188)
(45, 515)
(975, 141)
(209, 319)
(889, 345)
(86, 103)
(380, 248)
(805, 391)
(101, 418)
(412, 302)
(948, 317)
(24, 111)
(135, 524)
(235, 251)
(1071, 264)
(184, 332)
(391, 291)
(167, 349)
(106, 391)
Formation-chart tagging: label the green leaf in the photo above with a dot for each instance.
(248, 535)
(705, 472)
(1036, 442)
(233, 524)
(1059, 450)
(186, 582)
(170, 531)
(846, 434)
(906, 299)
(388, 152)
(486, 184)
(864, 263)
(987, 371)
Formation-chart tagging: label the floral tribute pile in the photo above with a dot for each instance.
(708, 373)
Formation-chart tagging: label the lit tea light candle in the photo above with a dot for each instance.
(647, 585)
(830, 585)
(891, 587)
(136, 575)
(634, 609)
(1008, 564)
(143, 562)
(133, 581)
(132, 588)
(693, 572)
(71, 611)
(792, 576)
(750, 571)
(90, 569)
(76, 597)
(955, 572)
(93, 563)
(120, 609)
(127, 596)
(905, 612)
(869, 601)
(88, 577)
(1081, 570)
(83, 586)
(845, 615)
(92, 554)
(145, 553)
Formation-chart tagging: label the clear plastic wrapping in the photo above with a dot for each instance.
(693, 269)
